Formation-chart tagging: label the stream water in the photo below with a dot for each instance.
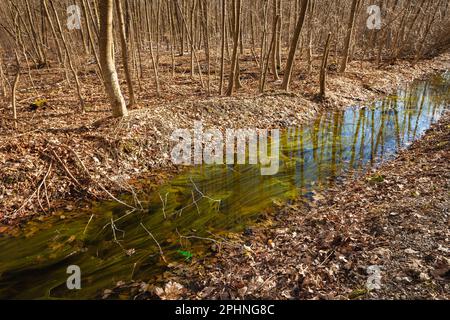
(114, 243)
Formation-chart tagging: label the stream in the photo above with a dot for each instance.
(112, 242)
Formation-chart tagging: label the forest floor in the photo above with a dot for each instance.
(60, 158)
(395, 218)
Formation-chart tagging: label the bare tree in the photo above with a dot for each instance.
(323, 68)
(348, 37)
(234, 62)
(14, 89)
(222, 50)
(125, 56)
(217, 34)
(294, 45)
(110, 78)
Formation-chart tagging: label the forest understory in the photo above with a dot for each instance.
(59, 158)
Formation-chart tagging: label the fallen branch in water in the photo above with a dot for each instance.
(85, 228)
(202, 194)
(164, 203)
(157, 243)
(195, 201)
(218, 242)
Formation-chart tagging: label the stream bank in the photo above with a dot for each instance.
(60, 159)
(395, 217)
(191, 220)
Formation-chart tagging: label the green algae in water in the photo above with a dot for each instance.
(113, 243)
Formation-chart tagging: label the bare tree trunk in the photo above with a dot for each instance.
(222, 50)
(273, 50)
(323, 68)
(110, 78)
(71, 66)
(263, 40)
(2, 76)
(310, 30)
(348, 37)
(91, 38)
(267, 62)
(152, 54)
(172, 36)
(125, 56)
(13, 90)
(234, 61)
(191, 41)
(194, 5)
(294, 44)
(205, 20)
(35, 37)
(280, 24)
(52, 27)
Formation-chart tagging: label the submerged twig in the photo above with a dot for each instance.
(164, 203)
(85, 228)
(195, 201)
(156, 241)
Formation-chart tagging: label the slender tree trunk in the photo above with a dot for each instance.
(66, 48)
(234, 61)
(267, 62)
(125, 55)
(194, 5)
(14, 89)
(310, 30)
(110, 78)
(172, 36)
(205, 21)
(323, 68)
(263, 40)
(273, 50)
(2, 77)
(222, 51)
(52, 27)
(294, 44)
(349, 35)
(90, 36)
(279, 35)
(35, 36)
(152, 54)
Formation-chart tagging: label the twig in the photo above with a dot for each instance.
(219, 243)
(98, 183)
(85, 228)
(164, 203)
(202, 194)
(326, 258)
(157, 243)
(43, 183)
(195, 201)
(35, 191)
(264, 283)
(66, 169)
(46, 194)
(114, 221)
